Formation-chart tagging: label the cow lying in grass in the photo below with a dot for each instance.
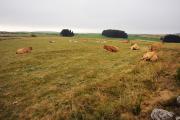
(150, 56)
(135, 47)
(24, 50)
(111, 48)
(155, 47)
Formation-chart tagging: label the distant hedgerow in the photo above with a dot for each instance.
(114, 33)
(171, 38)
(33, 35)
(67, 33)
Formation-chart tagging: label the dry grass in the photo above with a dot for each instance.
(81, 81)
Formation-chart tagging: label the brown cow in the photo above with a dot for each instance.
(155, 47)
(135, 47)
(111, 48)
(150, 56)
(24, 50)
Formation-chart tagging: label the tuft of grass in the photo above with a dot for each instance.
(137, 107)
(178, 74)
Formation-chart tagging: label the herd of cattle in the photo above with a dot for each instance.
(151, 55)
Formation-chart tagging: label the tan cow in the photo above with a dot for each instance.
(135, 47)
(24, 50)
(150, 56)
(154, 58)
(155, 47)
(111, 48)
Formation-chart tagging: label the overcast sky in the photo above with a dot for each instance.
(133, 16)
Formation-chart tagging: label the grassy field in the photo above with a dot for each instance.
(131, 37)
(76, 79)
(146, 37)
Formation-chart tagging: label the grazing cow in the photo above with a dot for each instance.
(155, 47)
(111, 48)
(24, 50)
(135, 47)
(150, 56)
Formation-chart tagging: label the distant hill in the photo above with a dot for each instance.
(26, 34)
(13, 34)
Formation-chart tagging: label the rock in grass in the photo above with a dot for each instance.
(160, 114)
(178, 118)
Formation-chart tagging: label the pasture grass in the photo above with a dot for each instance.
(145, 37)
(76, 79)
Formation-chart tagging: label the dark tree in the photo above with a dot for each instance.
(33, 35)
(67, 33)
(114, 33)
(171, 38)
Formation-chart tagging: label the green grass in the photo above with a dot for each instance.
(145, 37)
(90, 35)
(78, 80)
(130, 37)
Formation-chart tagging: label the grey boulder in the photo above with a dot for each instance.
(160, 114)
(178, 100)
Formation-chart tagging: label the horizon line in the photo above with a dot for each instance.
(12, 28)
(82, 32)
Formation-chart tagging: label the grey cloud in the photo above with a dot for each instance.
(134, 16)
